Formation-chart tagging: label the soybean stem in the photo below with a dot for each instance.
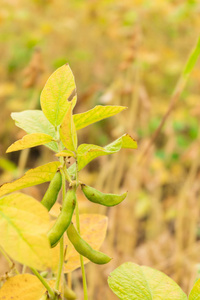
(43, 281)
(67, 175)
(78, 229)
(81, 257)
(60, 265)
(61, 257)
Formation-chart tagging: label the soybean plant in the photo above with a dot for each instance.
(40, 243)
(29, 237)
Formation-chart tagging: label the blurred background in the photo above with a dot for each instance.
(130, 53)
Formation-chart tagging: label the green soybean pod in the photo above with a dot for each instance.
(104, 199)
(64, 218)
(84, 248)
(51, 194)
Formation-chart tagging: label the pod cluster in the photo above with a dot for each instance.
(64, 220)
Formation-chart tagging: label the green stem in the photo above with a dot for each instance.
(61, 257)
(78, 229)
(67, 175)
(60, 265)
(81, 257)
(43, 281)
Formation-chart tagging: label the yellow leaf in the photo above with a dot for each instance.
(29, 141)
(96, 114)
(23, 287)
(93, 231)
(32, 177)
(68, 131)
(55, 97)
(24, 223)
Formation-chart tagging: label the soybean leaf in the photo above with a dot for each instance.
(88, 152)
(29, 141)
(32, 177)
(55, 97)
(93, 231)
(132, 282)
(27, 222)
(34, 121)
(23, 286)
(96, 114)
(68, 131)
(195, 292)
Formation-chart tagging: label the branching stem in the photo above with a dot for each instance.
(44, 282)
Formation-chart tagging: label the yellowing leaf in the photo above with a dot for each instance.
(68, 131)
(34, 121)
(32, 177)
(195, 292)
(24, 223)
(29, 141)
(55, 97)
(87, 152)
(132, 282)
(22, 287)
(96, 114)
(93, 231)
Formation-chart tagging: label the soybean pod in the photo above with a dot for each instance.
(64, 218)
(104, 199)
(51, 194)
(84, 248)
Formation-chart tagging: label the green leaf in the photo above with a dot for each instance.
(68, 131)
(29, 141)
(32, 177)
(195, 292)
(96, 114)
(88, 152)
(192, 59)
(132, 282)
(24, 224)
(34, 121)
(55, 97)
